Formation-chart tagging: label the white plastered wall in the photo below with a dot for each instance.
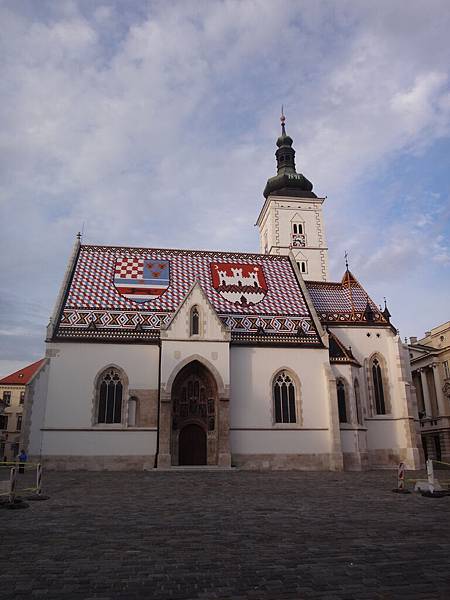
(383, 431)
(68, 427)
(35, 409)
(253, 430)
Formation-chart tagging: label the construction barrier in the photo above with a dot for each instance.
(430, 487)
(401, 489)
(19, 481)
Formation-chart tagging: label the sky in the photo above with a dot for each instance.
(154, 124)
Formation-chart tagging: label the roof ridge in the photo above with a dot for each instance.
(193, 251)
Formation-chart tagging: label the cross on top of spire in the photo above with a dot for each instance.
(283, 120)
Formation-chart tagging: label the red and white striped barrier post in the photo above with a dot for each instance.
(430, 475)
(12, 485)
(401, 477)
(39, 479)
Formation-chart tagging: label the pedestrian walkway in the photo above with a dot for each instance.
(228, 535)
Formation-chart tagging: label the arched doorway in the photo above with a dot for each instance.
(192, 445)
(194, 424)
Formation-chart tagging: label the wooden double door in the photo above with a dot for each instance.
(192, 445)
(194, 427)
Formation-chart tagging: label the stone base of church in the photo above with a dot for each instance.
(286, 462)
(356, 461)
(96, 463)
(389, 458)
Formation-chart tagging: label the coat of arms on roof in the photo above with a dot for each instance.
(239, 283)
(141, 279)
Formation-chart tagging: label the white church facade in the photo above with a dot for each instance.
(159, 358)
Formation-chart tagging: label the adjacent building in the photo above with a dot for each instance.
(13, 398)
(430, 365)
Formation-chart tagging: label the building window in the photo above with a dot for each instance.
(342, 408)
(446, 369)
(302, 266)
(22, 397)
(19, 423)
(195, 321)
(357, 401)
(110, 397)
(3, 422)
(298, 238)
(377, 380)
(284, 398)
(14, 450)
(7, 398)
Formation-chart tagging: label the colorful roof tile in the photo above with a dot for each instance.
(23, 376)
(340, 353)
(129, 294)
(343, 302)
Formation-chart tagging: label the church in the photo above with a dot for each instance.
(163, 358)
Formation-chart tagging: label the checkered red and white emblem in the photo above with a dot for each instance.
(130, 268)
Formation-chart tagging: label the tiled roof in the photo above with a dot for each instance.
(340, 353)
(343, 302)
(97, 308)
(23, 376)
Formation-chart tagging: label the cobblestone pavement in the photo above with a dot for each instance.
(226, 535)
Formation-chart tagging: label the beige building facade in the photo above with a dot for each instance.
(13, 399)
(430, 365)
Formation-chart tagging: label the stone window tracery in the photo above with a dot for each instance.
(342, 401)
(357, 401)
(284, 398)
(110, 394)
(377, 379)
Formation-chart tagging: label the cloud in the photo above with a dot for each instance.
(155, 124)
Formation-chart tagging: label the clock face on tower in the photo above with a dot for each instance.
(298, 240)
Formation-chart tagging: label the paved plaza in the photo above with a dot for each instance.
(226, 535)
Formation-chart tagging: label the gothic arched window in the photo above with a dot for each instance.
(357, 401)
(195, 321)
(284, 398)
(377, 380)
(342, 405)
(110, 397)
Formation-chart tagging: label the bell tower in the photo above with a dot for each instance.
(291, 218)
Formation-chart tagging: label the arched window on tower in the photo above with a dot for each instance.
(195, 321)
(284, 398)
(110, 397)
(301, 264)
(377, 379)
(342, 405)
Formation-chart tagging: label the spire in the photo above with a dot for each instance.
(368, 312)
(285, 153)
(347, 281)
(287, 181)
(386, 314)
